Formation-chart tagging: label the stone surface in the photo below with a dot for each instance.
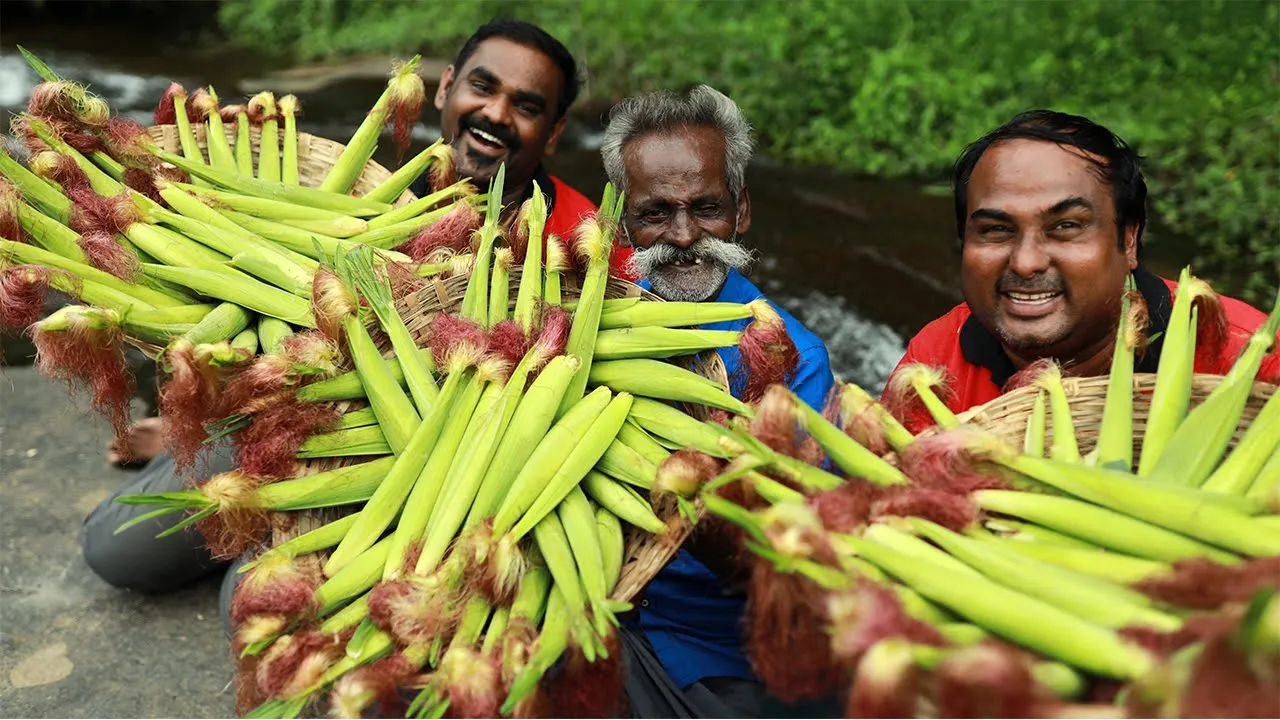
(70, 645)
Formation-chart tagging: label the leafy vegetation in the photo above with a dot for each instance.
(895, 88)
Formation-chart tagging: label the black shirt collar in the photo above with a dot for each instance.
(982, 348)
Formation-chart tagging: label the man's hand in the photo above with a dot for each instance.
(144, 441)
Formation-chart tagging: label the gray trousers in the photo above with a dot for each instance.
(136, 559)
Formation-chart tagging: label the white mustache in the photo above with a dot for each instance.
(707, 248)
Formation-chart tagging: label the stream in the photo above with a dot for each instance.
(863, 263)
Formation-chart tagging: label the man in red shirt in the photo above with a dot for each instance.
(504, 101)
(1050, 210)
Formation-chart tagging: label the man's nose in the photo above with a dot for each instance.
(683, 231)
(497, 111)
(1029, 256)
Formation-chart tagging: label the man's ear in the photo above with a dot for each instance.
(553, 140)
(744, 211)
(442, 90)
(1131, 246)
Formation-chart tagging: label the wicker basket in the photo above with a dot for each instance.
(1006, 416)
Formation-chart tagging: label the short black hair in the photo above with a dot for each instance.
(1119, 167)
(531, 36)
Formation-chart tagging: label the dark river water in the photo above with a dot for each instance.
(864, 263)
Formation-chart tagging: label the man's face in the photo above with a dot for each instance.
(1042, 266)
(680, 216)
(501, 106)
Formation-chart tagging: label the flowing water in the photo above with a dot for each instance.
(863, 263)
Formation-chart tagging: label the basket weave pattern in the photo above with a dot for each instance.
(1007, 415)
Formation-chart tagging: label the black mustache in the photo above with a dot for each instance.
(506, 135)
(1036, 284)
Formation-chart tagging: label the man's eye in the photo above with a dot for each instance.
(1067, 225)
(528, 110)
(653, 216)
(710, 211)
(479, 87)
(994, 231)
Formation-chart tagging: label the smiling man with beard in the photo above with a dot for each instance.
(1050, 211)
(681, 161)
(505, 100)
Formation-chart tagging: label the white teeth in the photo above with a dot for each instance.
(1031, 297)
(487, 137)
(697, 261)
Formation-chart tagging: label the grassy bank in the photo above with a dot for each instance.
(894, 88)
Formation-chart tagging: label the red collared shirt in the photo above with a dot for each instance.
(978, 368)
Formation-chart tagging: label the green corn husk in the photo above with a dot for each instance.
(390, 236)
(846, 452)
(363, 417)
(1258, 444)
(1198, 444)
(1267, 483)
(272, 332)
(1064, 447)
(303, 242)
(268, 136)
(377, 291)
(323, 222)
(222, 322)
(191, 207)
(624, 463)
(637, 313)
(534, 219)
(1033, 440)
(659, 343)
(663, 381)
(347, 386)
(1106, 604)
(289, 108)
(140, 296)
(404, 84)
(855, 401)
(1030, 532)
(397, 416)
(220, 153)
(1098, 525)
(174, 249)
(322, 538)
(665, 421)
(50, 234)
(233, 286)
(101, 182)
(392, 188)
(244, 145)
(299, 194)
(475, 302)
(1172, 393)
(500, 286)
(367, 440)
(1123, 569)
(266, 263)
(595, 242)
(41, 194)
(623, 502)
(1115, 436)
(1024, 620)
(247, 340)
(458, 192)
(634, 437)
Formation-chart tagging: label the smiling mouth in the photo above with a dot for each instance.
(486, 141)
(1031, 298)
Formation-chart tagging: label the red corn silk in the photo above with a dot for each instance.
(414, 610)
(144, 183)
(868, 614)
(444, 171)
(1027, 376)
(508, 341)
(274, 589)
(239, 523)
(683, 473)
(846, 507)
(62, 170)
(1203, 584)
(269, 444)
(23, 290)
(448, 330)
(1225, 684)
(166, 113)
(128, 142)
(786, 635)
(774, 423)
(50, 101)
(331, 302)
(373, 689)
(769, 355)
(188, 401)
(10, 201)
(881, 691)
(943, 507)
(473, 683)
(943, 461)
(405, 109)
(291, 660)
(91, 358)
(987, 680)
(584, 689)
(402, 279)
(904, 403)
(554, 336)
(108, 255)
(1211, 329)
(449, 235)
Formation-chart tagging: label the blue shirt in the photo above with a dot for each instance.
(692, 621)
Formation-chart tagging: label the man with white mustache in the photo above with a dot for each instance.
(681, 162)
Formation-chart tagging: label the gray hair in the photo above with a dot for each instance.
(703, 106)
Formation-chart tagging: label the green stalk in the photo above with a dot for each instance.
(1111, 566)
(272, 332)
(244, 145)
(422, 205)
(140, 295)
(1115, 436)
(356, 154)
(475, 301)
(595, 244)
(377, 291)
(500, 286)
(1099, 526)
(36, 189)
(1238, 472)
(530, 291)
(234, 286)
(390, 190)
(1023, 620)
(427, 488)
(268, 137)
(1033, 440)
(220, 154)
(634, 313)
(1172, 393)
(1064, 447)
(1266, 484)
(289, 164)
(190, 207)
(664, 381)
(846, 452)
(396, 414)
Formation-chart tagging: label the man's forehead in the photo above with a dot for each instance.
(512, 63)
(1031, 175)
(676, 164)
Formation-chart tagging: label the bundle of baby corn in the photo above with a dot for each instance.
(496, 468)
(489, 461)
(953, 574)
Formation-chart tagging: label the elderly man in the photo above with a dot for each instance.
(681, 162)
(1050, 210)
